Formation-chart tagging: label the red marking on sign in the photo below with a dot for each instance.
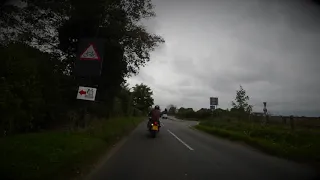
(82, 92)
(90, 53)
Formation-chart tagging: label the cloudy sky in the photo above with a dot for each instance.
(271, 48)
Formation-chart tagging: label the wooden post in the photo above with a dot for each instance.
(284, 119)
(292, 122)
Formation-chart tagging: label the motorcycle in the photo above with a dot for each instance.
(153, 128)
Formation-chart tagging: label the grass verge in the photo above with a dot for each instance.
(60, 155)
(302, 146)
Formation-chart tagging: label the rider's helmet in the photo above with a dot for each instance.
(157, 107)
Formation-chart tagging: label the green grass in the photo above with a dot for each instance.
(300, 145)
(59, 155)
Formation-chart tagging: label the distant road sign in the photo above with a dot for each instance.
(213, 101)
(86, 93)
(89, 58)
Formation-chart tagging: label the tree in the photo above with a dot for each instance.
(186, 113)
(128, 44)
(142, 97)
(172, 109)
(126, 99)
(241, 101)
(58, 25)
(203, 113)
(117, 22)
(30, 88)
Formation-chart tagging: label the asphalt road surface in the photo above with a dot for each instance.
(182, 153)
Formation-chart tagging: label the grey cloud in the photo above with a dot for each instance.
(269, 47)
(183, 64)
(184, 82)
(143, 76)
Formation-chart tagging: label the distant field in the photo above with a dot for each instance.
(59, 155)
(300, 122)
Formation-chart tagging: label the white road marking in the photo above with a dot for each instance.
(190, 148)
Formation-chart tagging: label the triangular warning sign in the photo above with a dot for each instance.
(90, 53)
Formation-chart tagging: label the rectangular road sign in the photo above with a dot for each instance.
(213, 101)
(89, 58)
(87, 93)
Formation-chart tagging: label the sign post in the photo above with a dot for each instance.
(88, 67)
(213, 104)
(87, 70)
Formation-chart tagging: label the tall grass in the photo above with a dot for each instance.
(300, 144)
(59, 155)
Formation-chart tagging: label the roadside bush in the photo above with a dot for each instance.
(30, 88)
(203, 113)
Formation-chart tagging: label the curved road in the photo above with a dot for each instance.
(181, 153)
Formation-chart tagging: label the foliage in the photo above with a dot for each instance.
(203, 113)
(125, 96)
(185, 112)
(172, 109)
(115, 21)
(38, 44)
(31, 24)
(142, 97)
(31, 88)
(241, 101)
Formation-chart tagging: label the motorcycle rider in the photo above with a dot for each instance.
(154, 115)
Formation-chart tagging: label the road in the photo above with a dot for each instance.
(182, 153)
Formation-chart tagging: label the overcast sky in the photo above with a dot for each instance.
(269, 47)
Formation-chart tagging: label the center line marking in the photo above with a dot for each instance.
(190, 148)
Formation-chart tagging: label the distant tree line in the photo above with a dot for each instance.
(204, 113)
(38, 46)
(240, 109)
